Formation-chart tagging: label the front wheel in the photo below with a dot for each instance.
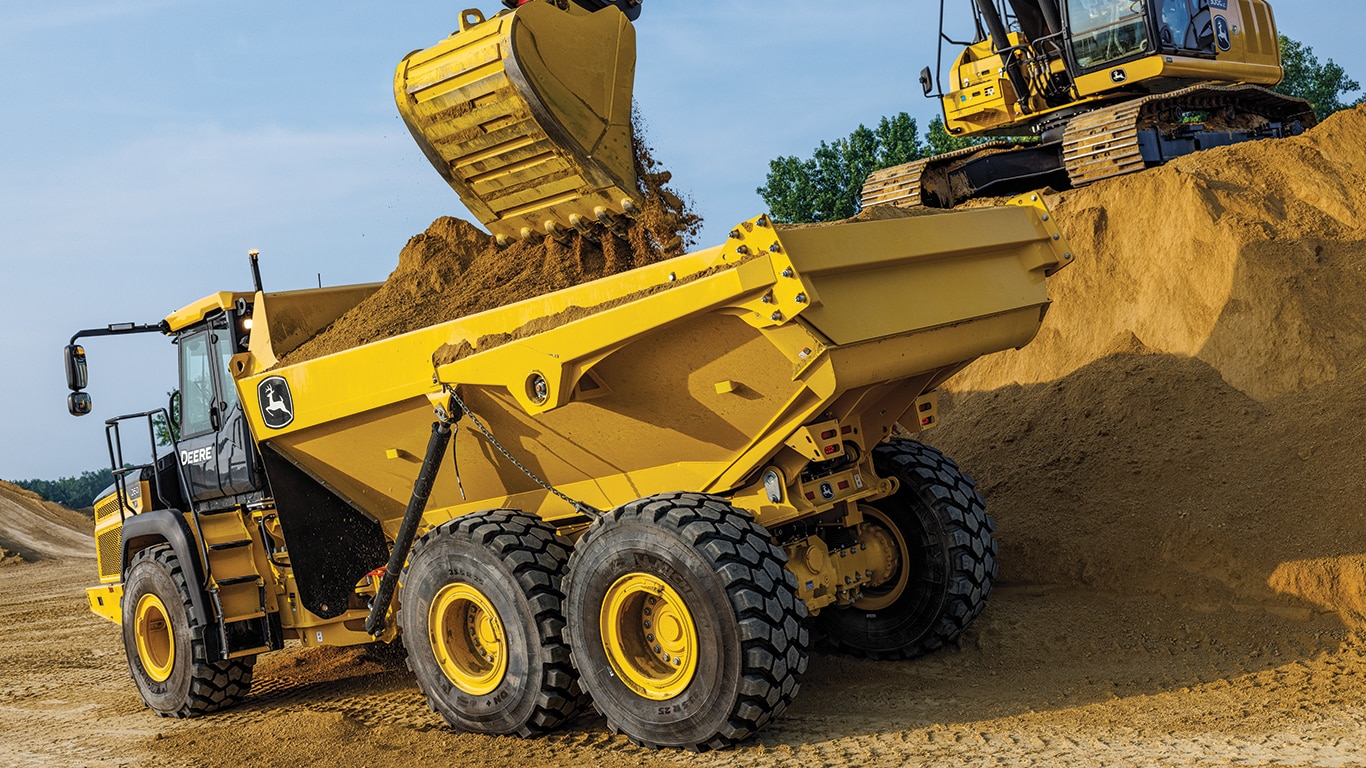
(482, 621)
(684, 622)
(943, 559)
(168, 664)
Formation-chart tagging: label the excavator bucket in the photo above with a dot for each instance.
(527, 115)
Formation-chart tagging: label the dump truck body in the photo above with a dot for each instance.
(688, 374)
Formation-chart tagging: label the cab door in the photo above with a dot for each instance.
(215, 446)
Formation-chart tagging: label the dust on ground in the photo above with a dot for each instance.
(1176, 473)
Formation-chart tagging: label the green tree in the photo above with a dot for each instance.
(1322, 85)
(827, 186)
(942, 142)
(75, 492)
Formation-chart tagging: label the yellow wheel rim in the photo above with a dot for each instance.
(649, 635)
(879, 530)
(156, 644)
(467, 638)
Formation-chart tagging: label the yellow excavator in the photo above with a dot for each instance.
(1101, 88)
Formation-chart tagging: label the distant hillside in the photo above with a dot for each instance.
(32, 529)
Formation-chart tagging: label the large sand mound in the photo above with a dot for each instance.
(1250, 258)
(32, 529)
(1190, 420)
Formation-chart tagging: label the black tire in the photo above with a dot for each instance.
(748, 637)
(171, 668)
(949, 564)
(515, 562)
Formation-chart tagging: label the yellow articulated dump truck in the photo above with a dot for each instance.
(640, 492)
(642, 489)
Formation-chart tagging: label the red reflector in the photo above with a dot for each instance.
(928, 420)
(828, 434)
(844, 485)
(810, 495)
(925, 407)
(829, 449)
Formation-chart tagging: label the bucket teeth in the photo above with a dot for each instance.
(527, 116)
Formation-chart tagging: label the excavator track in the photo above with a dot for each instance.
(1099, 144)
(1105, 142)
(914, 184)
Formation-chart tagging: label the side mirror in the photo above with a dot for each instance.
(927, 82)
(77, 376)
(173, 415)
(78, 403)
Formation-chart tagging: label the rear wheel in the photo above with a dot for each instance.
(684, 622)
(482, 621)
(166, 660)
(943, 564)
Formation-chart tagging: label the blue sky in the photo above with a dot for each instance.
(147, 145)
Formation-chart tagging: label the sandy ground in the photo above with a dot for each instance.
(1048, 677)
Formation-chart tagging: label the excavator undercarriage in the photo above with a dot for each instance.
(1098, 144)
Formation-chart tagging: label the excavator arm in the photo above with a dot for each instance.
(527, 115)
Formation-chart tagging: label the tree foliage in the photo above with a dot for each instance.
(827, 186)
(1321, 84)
(75, 492)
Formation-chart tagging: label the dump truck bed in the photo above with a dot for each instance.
(686, 374)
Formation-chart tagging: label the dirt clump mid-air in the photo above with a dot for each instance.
(454, 269)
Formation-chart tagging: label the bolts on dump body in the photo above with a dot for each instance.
(801, 298)
(776, 317)
(743, 250)
(1057, 237)
(778, 248)
(762, 221)
(786, 272)
(672, 277)
(537, 389)
(768, 298)
(735, 234)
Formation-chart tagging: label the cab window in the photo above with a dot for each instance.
(1107, 31)
(196, 384)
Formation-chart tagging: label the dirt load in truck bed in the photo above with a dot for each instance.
(1176, 470)
(454, 269)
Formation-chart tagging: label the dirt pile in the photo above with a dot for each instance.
(1249, 257)
(453, 269)
(1189, 422)
(32, 529)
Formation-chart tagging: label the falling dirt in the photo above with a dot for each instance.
(1175, 467)
(454, 269)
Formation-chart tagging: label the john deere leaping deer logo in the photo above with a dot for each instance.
(277, 406)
